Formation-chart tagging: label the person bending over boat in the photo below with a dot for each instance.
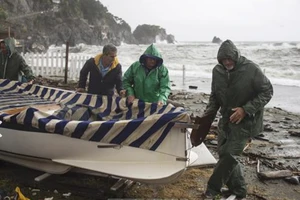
(105, 73)
(12, 64)
(241, 90)
(148, 78)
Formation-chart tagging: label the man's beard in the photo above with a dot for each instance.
(229, 67)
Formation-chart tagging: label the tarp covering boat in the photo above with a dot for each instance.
(107, 119)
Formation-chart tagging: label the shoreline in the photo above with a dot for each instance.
(285, 97)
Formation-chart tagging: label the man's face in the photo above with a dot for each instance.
(3, 48)
(150, 62)
(109, 58)
(228, 63)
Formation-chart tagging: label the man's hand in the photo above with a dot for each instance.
(80, 90)
(130, 99)
(160, 103)
(123, 93)
(238, 115)
(31, 82)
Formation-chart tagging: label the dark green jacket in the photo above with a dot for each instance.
(245, 86)
(13, 64)
(152, 86)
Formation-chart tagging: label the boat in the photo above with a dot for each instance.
(57, 131)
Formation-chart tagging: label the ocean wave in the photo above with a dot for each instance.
(279, 60)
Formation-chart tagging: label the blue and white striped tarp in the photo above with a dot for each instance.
(89, 117)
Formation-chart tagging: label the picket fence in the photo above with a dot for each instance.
(53, 64)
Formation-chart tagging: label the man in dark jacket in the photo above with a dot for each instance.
(12, 64)
(105, 73)
(241, 90)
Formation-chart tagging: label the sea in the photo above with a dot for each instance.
(191, 64)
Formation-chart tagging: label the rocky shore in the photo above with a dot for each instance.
(277, 149)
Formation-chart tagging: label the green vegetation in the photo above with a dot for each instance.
(3, 14)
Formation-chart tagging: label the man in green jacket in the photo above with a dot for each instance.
(240, 90)
(12, 64)
(148, 79)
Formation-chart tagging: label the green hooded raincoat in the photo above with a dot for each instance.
(151, 87)
(244, 86)
(12, 64)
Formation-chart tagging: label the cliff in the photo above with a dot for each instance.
(147, 34)
(41, 23)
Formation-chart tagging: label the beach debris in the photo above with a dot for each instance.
(175, 103)
(272, 174)
(275, 122)
(294, 133)
(213, 142)
(268, 128)
(261, 137)
(247, 146)
(231, 197)
(2, 194)
(293, 179)
(211, 137)
(193, 87)
(66, 194)
(277, 108)
(199, 101)
(19, 195)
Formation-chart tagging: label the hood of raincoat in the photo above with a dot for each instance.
(10, 44)
(228, 50)
(151, 52)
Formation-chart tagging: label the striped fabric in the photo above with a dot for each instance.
(89, 117)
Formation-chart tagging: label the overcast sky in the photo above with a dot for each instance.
(201, 20)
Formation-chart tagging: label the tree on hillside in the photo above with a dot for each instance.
(3, 14)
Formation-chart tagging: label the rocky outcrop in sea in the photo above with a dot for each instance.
(216, 40)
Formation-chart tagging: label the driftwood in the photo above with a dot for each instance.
(175, 103)
(272, 174)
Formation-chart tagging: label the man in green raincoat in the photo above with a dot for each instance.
(147, 79)
(240, 90)
(12, 64)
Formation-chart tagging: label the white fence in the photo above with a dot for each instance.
(53, 64)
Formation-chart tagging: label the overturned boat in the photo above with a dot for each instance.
(57, 131)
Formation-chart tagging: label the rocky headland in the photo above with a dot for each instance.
(43, 23)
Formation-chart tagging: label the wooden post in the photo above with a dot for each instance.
(183, 75)
(67, 59)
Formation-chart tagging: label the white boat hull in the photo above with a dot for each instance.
(94, 134)
(57, 154)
